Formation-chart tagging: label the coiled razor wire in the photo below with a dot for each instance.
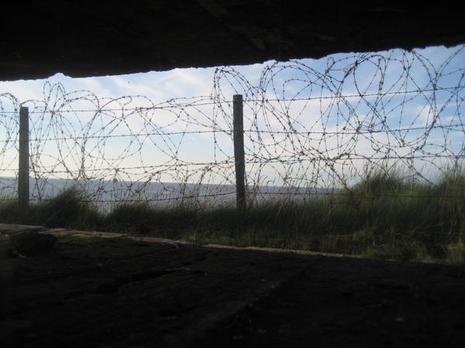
(308, 130)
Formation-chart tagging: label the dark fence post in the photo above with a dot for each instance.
(238, 131)
(23, 170)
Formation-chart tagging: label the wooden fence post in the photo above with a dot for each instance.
(238, 131)
(23, 168)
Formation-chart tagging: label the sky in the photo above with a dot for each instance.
(314, 83)
(176, 83)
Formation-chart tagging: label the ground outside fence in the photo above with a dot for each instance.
(113, 290)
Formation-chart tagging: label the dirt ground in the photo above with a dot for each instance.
(108, 290)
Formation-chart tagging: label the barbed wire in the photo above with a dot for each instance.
(450, 127)
(148, 108)
(307, 128)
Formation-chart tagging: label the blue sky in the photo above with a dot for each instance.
(298, 79)
(178, 83)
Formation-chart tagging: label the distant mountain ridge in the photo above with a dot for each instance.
(105, 192)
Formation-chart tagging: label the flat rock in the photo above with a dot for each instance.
(9, 229)
(31, 243)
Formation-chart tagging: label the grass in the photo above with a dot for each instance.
(382, 217)
(68, 209)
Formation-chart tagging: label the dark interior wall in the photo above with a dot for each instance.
(88, 38)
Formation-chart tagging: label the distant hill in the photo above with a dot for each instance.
(105, 193)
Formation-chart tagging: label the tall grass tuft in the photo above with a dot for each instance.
(141, 217)
(9, 212)
(68, 209)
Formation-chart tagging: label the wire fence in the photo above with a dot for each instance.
(308, 129)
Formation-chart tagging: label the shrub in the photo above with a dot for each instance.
(67, 209)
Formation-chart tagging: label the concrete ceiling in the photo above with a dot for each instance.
(89, 38)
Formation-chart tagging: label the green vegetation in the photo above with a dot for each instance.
(68, 209)
(382, 216)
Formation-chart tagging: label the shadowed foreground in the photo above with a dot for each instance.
(113, 290)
